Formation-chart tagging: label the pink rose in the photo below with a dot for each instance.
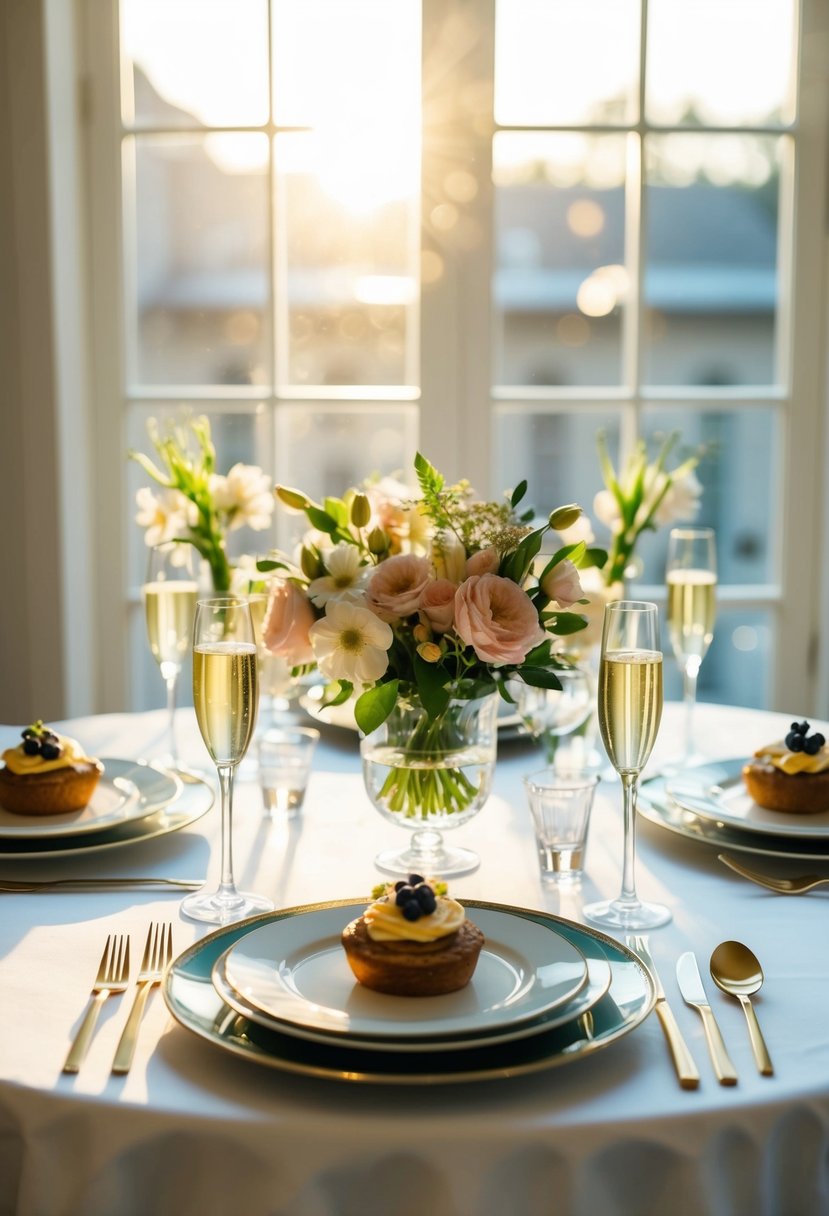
(396, 587)
(562, 584)
(437, 605)
(486, 561)
(288, 618)
(496, 618)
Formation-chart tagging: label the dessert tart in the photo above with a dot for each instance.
(791, 776)
(47, 774)
(413, 941)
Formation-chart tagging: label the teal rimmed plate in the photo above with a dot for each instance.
(194, 1003)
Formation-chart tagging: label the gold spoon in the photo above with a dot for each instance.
(737, 971)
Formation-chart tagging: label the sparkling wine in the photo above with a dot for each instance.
(630, 706)
(169, 608)
(225, 696)
(691, 612)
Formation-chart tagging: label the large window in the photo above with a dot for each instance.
(488, 227)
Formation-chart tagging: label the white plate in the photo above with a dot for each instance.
(296, 972)
(598, 982)
(126, 791)
(716, 792)
(194, 800)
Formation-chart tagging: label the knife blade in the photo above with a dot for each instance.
(693, 993)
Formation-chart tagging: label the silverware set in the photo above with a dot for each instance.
(112, 979)
(736, 972)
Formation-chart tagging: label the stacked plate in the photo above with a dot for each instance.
(710, 803)
(133, 801)
(278, 990)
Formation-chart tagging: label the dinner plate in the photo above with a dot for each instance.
(656, 806)
(126, 791)
(196, 1005)
(716, 791)
(295, 971)
(195, 799)
(598, 982)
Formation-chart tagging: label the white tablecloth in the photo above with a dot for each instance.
(192, 1130)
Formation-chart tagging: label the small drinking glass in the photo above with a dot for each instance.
(285, 757)
(169, 596)
(691, 577)
(225, 691)
(560, 809)
(630, 710)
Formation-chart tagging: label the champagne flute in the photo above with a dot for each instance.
(169, 596)
(225, 690)
(692, 587)
(630, 708)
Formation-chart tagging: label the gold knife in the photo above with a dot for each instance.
(686, 1069)
(693, 993)
(9, 885)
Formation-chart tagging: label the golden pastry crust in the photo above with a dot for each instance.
(404, 968)
(54, 793)
(797, 794)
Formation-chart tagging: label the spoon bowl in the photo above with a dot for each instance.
(736, 970)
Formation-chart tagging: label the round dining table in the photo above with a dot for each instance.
(192, 1129)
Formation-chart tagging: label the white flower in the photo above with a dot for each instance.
(606, 509)
(351, 643)
(681, 499)
(163, 514)
(598, 594)
(449, 557)
(345, 578)
(245, 496)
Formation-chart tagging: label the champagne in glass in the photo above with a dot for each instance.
(692, 588)
(225, 692)
(169, 607)
(630, 709)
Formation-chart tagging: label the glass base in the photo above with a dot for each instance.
(224, 907)
(626, 914)
(442, 862)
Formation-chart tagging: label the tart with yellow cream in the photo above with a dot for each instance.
(413, 941)
(47, 774)
(792, 775)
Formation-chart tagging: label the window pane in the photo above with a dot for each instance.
(739, 478)
(197, 262)
(191, 63)
(737, 668)
(719, 63)
(326, 451)
(556, 453)
(711, 274)
(348, 261)
(552, 68)
(560, 279)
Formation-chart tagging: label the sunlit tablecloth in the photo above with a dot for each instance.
(191, 1130)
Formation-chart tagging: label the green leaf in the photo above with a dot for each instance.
(374, 705)
(431, 481)
(346, 688)
(539, 656)
(574, 552)
(593, 557)
(563, 623)
(539, 677)
(321, 520)
(518, 493)
(431, 686)
(337, 509)
(267, 563)
(519, 562)
(506, 695)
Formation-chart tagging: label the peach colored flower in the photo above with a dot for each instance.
(437, 604)
(288, 620)
(485, 561)
(496, 618)
(396, 587)
(562, 584)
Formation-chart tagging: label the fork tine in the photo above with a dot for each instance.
(145, 960)
(120, 964)
(158, 946)
(104, 963)
(168, 954)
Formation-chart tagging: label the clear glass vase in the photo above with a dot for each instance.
(429, 775)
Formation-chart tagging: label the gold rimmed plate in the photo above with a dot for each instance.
(197, 1006)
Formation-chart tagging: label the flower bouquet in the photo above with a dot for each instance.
(421, 610)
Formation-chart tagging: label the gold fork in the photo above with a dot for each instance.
(113, 976)
(784, 886)
(158, 954)
(686, 1070)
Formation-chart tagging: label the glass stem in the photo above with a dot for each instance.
(226, 885)
(690, 699)
(628, 894)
